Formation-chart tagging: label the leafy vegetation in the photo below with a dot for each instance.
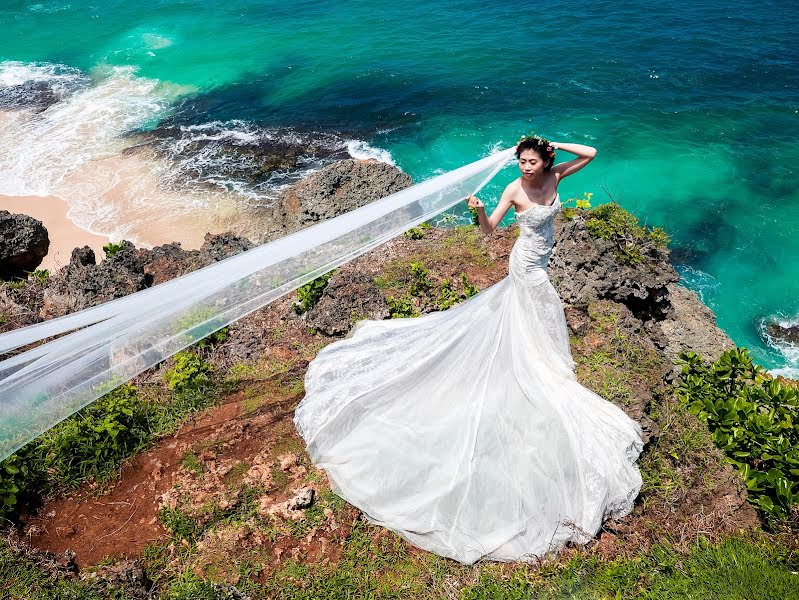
(417, 233)
(310, 293)
(112, 248)
(754, 419)
(189, 372)
(448, 296)
(400, 308)
(93, 443)
(611, 222)
(580, 203)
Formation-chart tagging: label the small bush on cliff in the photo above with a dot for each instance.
(449, 296)
(754, 419)
(399, 308)
(188, 374)
(310, 293)
(611, 222)
(417, 233)
(112, 248)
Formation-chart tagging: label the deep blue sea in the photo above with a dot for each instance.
(693, 107)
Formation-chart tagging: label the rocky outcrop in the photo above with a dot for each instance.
(84, 282)
(23, 244)
(349, 297)
(584, 269)
(691, 325)
(334, 190)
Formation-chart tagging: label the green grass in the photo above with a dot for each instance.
(736, 569)
(21, 578)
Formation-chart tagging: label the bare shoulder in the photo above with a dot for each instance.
(511, 193)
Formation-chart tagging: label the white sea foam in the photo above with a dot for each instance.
(38, 152)
(91, 148)
(361, 150)
(788, 351)
(704, 284)
(60, 78)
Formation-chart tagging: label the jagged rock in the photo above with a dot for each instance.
(84, 283)
(584, 269)
(783, 333)
(577, 319)
(691, 326)
(224, 245)
(127, 575)
(23, 244)
(349, 296)
(302, 499)
(331, 191)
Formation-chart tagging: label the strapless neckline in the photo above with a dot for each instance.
(550, 205)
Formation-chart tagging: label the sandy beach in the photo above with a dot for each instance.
(64, 234)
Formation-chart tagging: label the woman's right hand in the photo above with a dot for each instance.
(474, 202)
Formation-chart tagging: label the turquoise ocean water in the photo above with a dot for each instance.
(694, 108)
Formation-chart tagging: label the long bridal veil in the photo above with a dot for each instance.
(115, 341)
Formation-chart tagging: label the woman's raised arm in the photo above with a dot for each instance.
(585, 155)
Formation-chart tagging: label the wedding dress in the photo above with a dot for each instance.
(465, 431)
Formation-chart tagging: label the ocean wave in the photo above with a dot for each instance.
(109, 146)
(37, 85)
(40, 150)
(704, 284)
(362, 150)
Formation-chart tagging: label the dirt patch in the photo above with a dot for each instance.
(123, 520)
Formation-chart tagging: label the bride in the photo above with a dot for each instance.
(465, 431)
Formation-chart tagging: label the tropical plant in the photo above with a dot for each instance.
(310, 293)
(754, 418)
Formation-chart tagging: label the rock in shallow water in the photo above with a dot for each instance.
(788, 334)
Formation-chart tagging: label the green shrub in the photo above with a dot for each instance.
(753, 418)
(417, 233)
(420, 279)
(188, 373)
(310, 293)
(94, 442)
(39, 276)
(399, 308)
(112, 248)
(17, 477)
(448, 296)
(611, 222)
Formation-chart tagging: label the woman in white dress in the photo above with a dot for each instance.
(465, 431)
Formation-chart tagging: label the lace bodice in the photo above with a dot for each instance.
(531, 251)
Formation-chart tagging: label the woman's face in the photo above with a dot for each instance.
(531, 165)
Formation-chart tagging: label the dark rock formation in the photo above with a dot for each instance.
(23, 244)
(584, 269)
(84, 283)
(36, 95)
(127, 575)
(348, 297)
(334, 190)
(245, 152)
(783, 333)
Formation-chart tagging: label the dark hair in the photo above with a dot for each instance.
(540, 145)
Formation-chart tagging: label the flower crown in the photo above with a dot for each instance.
(540, 141)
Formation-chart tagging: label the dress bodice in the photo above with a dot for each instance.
(531, 251)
